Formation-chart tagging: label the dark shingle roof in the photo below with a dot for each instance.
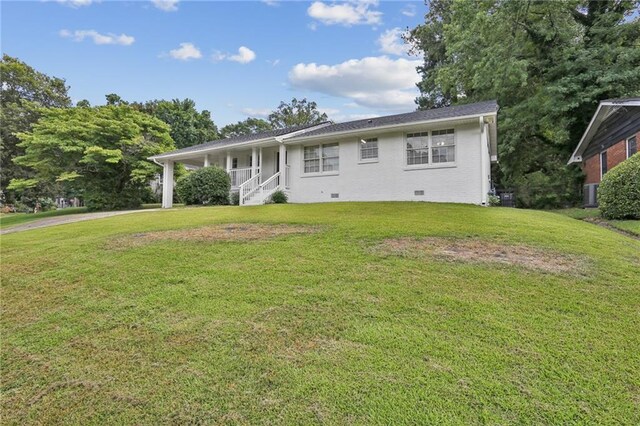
(407, 118)
(239, 139)
(372, 123)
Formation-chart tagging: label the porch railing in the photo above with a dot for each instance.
(239, 176)
(249, 189)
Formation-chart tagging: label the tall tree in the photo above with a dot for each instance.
(547, 63)
(188, 125)
(246, 127)
(23, 91)
(100, 152)
(296, 113)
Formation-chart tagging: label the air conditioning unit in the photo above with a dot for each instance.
(590, 195)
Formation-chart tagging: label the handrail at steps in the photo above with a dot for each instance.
(248, 188)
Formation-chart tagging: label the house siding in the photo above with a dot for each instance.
(390, 179)
(616, 154)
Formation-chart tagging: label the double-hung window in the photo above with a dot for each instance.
(603, 163)
(443, 148)
(632, 146)
(321, 158)
(312, 159)
(435, 148)
(369, 149)
(417, 148)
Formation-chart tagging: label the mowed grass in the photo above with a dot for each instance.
(318, 328)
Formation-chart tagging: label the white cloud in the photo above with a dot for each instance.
(244, 56)
(76, 3)
(185, 52)
(409, 10)
(109, 38)
(166, 5)
(377, 82)
(352, 12)
(274, 62)
(257, 112)
(271, 2)
(391, 42)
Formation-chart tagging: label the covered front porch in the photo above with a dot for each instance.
(255, 171)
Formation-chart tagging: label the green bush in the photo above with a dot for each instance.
(235, 198)
(208, 185)
(494, 200)
(619, 191)
(279, 197)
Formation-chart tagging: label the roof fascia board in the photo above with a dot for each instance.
(576, 157)
(214, 148)
(387, 127)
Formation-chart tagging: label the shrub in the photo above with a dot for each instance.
(208, 185)
(235, 198)
(279, 197)
(619, 191)
(494, 200)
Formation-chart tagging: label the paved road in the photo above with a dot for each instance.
(61, 220)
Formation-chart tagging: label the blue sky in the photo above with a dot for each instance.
(236, 59)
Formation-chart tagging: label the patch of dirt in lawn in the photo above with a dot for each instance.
(472, 250)
(226, 232)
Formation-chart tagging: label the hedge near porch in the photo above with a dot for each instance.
(205, 186)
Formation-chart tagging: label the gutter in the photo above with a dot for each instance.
(387, 127)
(279, 139)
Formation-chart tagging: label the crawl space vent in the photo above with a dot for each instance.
(418, 192)
(335, 195)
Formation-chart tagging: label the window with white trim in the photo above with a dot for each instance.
(312, 159)
(632, 146)
(330, 158)
(443, 146)
(321, 158)
(369, 149)
(417, 148)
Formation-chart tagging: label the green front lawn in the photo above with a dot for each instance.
(105, 322)
(12, 219)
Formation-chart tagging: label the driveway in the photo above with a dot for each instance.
(61, 220)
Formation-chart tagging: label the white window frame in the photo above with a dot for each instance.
(627, 144)
(601, 168)
(364, 145)
(321, 171)
(431, 164)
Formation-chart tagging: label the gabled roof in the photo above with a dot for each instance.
(479, 108)
(605, 109)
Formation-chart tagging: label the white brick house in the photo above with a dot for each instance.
(441, 155)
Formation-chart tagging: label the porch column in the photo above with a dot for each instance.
(254, 161)
(261, 165)
(206, 160)
(282, 166)
(167, 185)
(228, 162)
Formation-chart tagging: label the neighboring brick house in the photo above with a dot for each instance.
(612, 137)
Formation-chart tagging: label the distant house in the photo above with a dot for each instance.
(440, 155)
(611, 138)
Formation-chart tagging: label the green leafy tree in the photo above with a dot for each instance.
(246, 127)
(115, 99)
(188, 126)
(100, 152)
(547, 63)
(296, 113)
(23, 92)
